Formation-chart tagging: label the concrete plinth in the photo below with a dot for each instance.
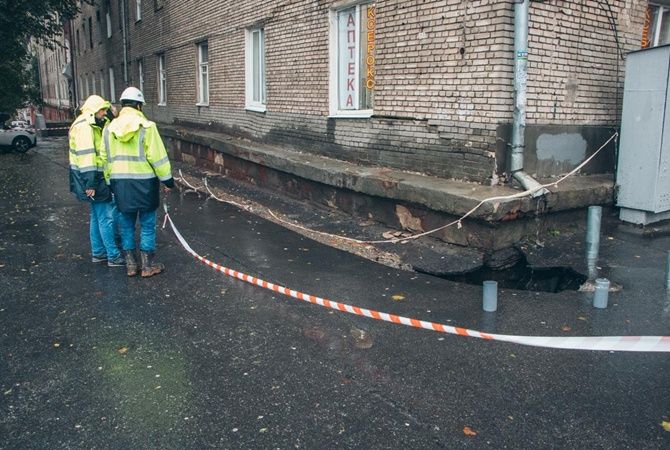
(403, 200)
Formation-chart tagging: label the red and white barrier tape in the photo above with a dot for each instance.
(606, 343)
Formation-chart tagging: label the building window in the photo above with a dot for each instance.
(158, 4)
(88, 87)
(112, 90)
(162, 80)
(102, 83)
(138, 10)
(657, 26)
(78, 43)
(90, 31)
(97, 21)
(255, 70)
(352, 60)
(203, 74)
(94, 89)
(108, 19)
(140, 74)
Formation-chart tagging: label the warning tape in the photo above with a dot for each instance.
(604, 343)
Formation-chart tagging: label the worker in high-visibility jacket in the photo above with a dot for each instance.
(87, 181)
(136, 161)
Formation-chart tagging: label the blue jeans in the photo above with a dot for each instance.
(101, 230)
(147, 230)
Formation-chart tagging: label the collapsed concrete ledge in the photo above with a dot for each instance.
(399, 199)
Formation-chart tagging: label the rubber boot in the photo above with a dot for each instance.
(149, 267)
(131, 263)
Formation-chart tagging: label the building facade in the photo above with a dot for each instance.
(55, 75)
(423, 86)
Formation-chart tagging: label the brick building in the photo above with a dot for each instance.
(55, 74)
(417, 86)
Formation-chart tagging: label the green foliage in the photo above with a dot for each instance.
(21, 20)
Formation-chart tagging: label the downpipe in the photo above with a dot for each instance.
(520, 89)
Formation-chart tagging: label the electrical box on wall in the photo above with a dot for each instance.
(643, 169)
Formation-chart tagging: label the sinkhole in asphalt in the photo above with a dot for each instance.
(521, 276)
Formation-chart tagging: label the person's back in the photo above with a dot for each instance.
(137, 161)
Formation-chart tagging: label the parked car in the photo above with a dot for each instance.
(20, 124)
(18, 139)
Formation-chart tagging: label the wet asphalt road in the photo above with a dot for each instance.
(194, 359)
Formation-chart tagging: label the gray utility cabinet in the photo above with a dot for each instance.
(643, 170)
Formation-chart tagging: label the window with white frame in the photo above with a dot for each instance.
(138, 10)
(162, 80)
(203, 74)
(112, 89)
(352, 60)
(255, 70)
(140, 74)
(102, 83)
(108, 20)
(658, 23)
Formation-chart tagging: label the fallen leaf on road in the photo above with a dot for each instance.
(56, 344)
(666, 425)
(122, 350)
(397, 297)
(566, 328)
(582, 318)
(469, 431)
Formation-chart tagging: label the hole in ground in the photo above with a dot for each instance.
(523, 277)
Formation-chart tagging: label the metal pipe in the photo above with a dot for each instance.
(490, 303)
(520, 90)
(593, 240)
(601, 293)
(125, 42)
(75, 97)
(667, 273)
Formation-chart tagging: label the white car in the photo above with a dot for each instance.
(20, 140)
(20, 124)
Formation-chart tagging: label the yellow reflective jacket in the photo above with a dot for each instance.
(87, 161)
(136, 160)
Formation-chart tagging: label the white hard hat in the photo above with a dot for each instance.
(132, 93)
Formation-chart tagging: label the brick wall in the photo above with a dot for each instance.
(444, 73)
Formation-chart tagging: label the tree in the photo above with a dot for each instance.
(19, 21)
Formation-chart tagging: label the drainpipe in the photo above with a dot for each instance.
(73, 52)
(125, 42)
(520, 85)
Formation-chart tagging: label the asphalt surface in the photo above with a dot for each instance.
(194, 359)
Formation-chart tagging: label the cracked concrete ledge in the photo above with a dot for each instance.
(439, 194)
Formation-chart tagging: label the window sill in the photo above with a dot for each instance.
(256, 108)
(202, 104)
(361, 114)
(161, 104)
